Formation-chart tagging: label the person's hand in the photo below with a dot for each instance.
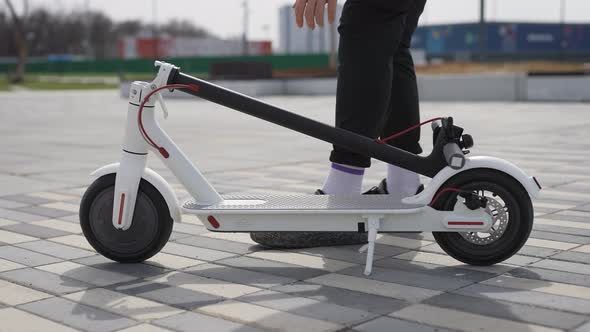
(313, 12)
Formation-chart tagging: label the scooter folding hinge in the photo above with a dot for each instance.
(373, 223)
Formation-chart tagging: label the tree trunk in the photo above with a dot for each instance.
(20, 39)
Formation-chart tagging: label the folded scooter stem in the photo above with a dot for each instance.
(428, 166)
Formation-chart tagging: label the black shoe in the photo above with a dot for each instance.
(296, 240)
(381, 189)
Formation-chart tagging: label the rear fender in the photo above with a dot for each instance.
(528, 182)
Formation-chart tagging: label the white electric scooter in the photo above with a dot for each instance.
(478, 208)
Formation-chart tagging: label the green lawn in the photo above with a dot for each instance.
(36, 85)
(33, 81)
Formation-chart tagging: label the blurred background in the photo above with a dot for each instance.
(90, 44)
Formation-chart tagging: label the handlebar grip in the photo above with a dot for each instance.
(454, 155)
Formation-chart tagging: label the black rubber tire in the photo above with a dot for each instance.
(142, 240)
(520, 219)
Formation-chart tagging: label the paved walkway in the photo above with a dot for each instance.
(52, 280)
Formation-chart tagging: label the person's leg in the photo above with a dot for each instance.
(369, 37)
(404, 110)
(343, 179)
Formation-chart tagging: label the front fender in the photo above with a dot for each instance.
(155, 180)
(528, 182)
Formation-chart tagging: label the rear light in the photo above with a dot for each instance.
(214, 223)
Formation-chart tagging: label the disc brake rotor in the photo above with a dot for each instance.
(499, 224)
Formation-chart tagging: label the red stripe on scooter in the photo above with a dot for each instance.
(213, 222)
(121, 208)
(465, 223)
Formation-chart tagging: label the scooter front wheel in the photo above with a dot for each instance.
(511, 209)
(149, 232)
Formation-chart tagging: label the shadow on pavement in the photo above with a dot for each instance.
(202, 285)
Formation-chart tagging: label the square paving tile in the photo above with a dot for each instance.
(8, 265)
(20, 216)
(550, 301)
(240, 276)
(44, 281)
(307, 307)
(122, 304)
(507, 310)
(87, 274)
(211, 243)
(26, 257)
(267, 318)
(35, 231)
(187, 322)
(77, 315)
(457, 320)
(272, 267)
(12, 238)
(27, 199)
(13, 294)
(55, 249)
(177, 297)
(8, 204)
(551, 275)
(44, 211)
(384, 324)
(17, 320)
(138, 270)
(344, 297)
(195, 252)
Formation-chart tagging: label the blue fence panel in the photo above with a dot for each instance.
(576, 37)
(539, 38)
(504, 38)
(445, 39)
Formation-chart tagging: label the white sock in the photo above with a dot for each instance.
(344, 179)
(401, 181)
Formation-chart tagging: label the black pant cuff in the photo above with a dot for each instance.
(351, 159)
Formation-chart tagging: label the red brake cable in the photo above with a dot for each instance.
(405, 131)
(142, 130)
(442, 192)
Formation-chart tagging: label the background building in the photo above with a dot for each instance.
(169, 47)
(294, 40)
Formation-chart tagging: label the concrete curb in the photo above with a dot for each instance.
(470, 87)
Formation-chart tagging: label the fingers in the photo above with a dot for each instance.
(332, 5)
(299, 11)
(310, 13)
(319, 12)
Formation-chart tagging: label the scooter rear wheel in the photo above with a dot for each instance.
(150, 231)
(511, 209)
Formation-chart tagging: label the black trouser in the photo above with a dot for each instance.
(377, 93)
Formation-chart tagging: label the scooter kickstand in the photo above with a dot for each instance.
(374, 225)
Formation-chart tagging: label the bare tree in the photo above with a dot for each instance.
(20, 39)
(184, 28)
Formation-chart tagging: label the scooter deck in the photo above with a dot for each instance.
(303, 204)
(267, 213)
